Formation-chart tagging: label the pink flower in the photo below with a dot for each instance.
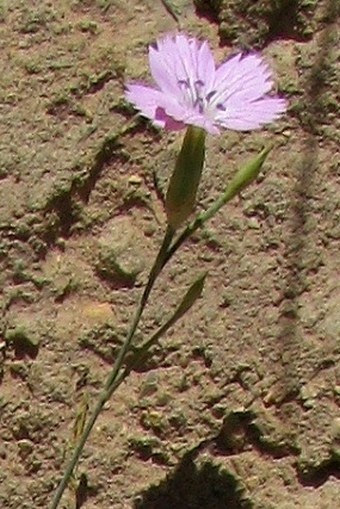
(190, 90)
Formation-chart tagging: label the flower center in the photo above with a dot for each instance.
(195, 97)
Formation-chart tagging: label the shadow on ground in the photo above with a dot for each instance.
(314, 116)
(193, 486)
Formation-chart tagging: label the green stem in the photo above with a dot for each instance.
(155, 271)
(244, 176)
(114, 380)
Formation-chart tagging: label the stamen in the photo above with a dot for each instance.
(210, 95)
(194, 92)
(199, 83)
(184, 82)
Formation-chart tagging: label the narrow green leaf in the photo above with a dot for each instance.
(187, 302)
(245, 175)
(189, 298)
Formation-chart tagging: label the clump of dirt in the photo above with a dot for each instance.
(256, 24)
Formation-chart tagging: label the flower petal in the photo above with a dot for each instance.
(169, 123)
(203, 122)
(145, 99)
(206, 66)
(161, 66)
(180, 58)
(185, 57)
(153, 104)
(246, 77)
(251, 115)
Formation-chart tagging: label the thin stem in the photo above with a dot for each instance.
(244, 176)
(114, 380)
(78, 450)
(155, 271)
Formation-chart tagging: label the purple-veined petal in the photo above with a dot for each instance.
(186, 58)
(160, 108)
(203, 122)
(206, 66)
(251, 115)
(170, 63)
(145, 99)
(162, 66)
(164, 111)
(169, 123)
(178, 59)
(244, 76)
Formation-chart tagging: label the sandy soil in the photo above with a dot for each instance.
(239, 407)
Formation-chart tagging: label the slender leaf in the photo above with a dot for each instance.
(187, 302)
(245, 175)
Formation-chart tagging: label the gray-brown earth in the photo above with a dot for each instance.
(239, 407)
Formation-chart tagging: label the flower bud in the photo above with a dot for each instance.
(181, 195)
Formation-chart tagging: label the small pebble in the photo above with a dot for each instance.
(335, 427)
(135, 180)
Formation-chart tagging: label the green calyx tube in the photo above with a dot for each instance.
(181, 195)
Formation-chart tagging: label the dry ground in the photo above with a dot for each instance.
(239, 407)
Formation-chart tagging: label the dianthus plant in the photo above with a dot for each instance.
(190, 93)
